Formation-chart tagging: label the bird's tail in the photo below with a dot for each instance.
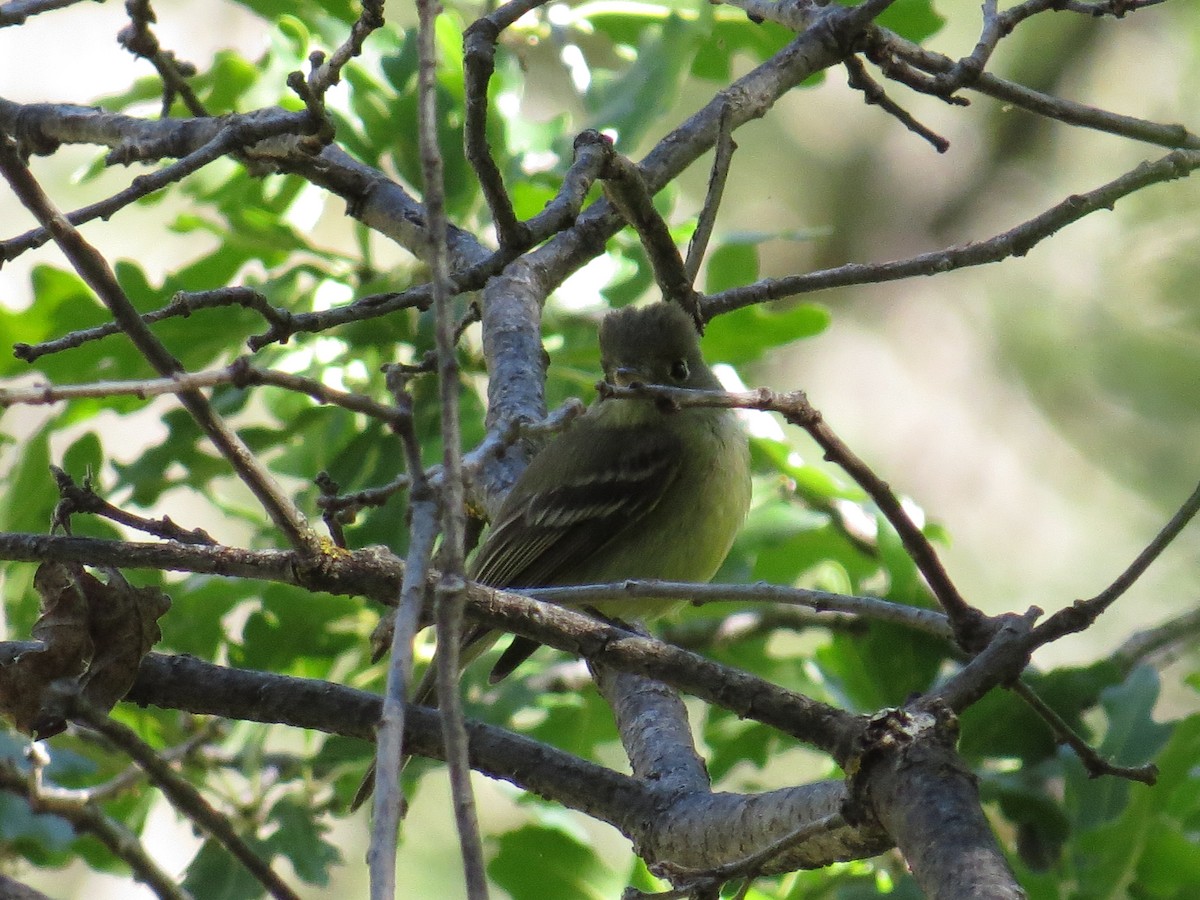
(474, 644)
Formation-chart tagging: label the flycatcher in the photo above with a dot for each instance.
(631, 490)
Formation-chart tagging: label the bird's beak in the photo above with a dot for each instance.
(627, 375)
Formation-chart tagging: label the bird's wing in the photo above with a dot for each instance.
(544, 536)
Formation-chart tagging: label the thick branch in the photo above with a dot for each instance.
(918, 788)
(691, 830)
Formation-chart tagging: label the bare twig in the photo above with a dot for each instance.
(592, 150)
(450, 595)
(1095, 764)
(1082, 613)
(722, 157)
(95, 271)
(1015, 242)
(240, 132)
(970, 627)
(346, 506)
(627, 190)
(995, 26)
(927, 620)
(720, 631)
(239, 373)
(860, 79)
(15, 12)
(887, 49)
(496, 442)
(750, 864)
(134, 774)
(183, 304)
(73, 499)
(1115, 8)
(321, 131)
(185, 798)
(86, 817)
(328, 72)
(139, 40)
(479, 62)
(389, 750)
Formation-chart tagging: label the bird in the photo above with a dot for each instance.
(633, 489)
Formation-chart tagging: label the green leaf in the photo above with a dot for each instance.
(29, 496)
(301, 839)
(84, 457)
(733, 33)
(915, 20)
(564, 866)
(731, 265)
(634, 101)
(196, 622)
(341, 10)
(745, 334)
(882, 669)
(294, 632)
(733, 740)
(1132, 738)
(215, 875)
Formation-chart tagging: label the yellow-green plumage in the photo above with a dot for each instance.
(632, 489)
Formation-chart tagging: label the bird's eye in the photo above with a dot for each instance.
(679, 370)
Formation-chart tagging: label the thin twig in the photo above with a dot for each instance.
(995, 26)
(183, 304)
(240, 373)
(239, 133)
(722, 157)
(389, 750)
(612, 595)
(495, 442)
(592, 150)
(627, 190)
(1095, 764)
(134, 774)
(750, 864)
(1115, 8)
(332, 518)
(886, 48)
(970, 625)
(721, 631)
(86, 817)
(479, 63)
(347, 505)
(327, 73)
(1082, 613)
(185, 798)
(1016, 241)
(95, 271)
(15, 12)
(322, 129)
(860, 79)
(450, 595)
(73, 499)
(139, 40)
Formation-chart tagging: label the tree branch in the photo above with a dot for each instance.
(85, 817)
(94, 270)
(1016, 241)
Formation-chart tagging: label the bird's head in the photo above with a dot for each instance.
(655, 344)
